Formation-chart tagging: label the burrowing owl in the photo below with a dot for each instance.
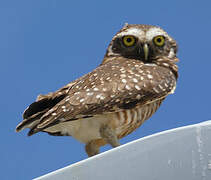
(135, 76)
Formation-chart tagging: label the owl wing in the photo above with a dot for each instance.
(112, 87)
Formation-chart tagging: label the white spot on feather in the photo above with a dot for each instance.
(149, 76)
(138, 96)
(165, 84)
(89, 93)
(156, 90)
(82, 100)
(124, 80)
(98, 96)
(102, 97)
(127, 87)
(123, 76)
(173, 89)
(67, 99)
(135, 80)
(161, 87)
(165, 64)
(150, 64)
(137, 87)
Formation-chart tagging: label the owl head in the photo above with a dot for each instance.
(142, 42)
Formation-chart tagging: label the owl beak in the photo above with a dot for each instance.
(146, 51)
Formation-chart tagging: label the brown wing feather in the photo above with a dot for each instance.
(113, 86)
(42, 105)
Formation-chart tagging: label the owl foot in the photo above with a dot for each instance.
(109, 135)
(92, 148)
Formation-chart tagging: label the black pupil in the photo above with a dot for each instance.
(129, 39)
(159, 40)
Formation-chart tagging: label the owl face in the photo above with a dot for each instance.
(142, 42)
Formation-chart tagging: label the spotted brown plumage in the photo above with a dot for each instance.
(114, 99)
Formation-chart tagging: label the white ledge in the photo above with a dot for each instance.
(181, 153)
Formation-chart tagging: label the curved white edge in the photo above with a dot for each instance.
(183, 152)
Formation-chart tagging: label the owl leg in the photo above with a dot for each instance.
(109, 135)
(92, 148)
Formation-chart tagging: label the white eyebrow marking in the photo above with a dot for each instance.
(132, 31)
(155, 31)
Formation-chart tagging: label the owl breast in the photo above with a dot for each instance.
(131, 119)
(123, 122)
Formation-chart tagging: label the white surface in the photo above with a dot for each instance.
(182, 153)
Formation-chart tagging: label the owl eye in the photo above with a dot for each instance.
(159, 40)
(129, 40)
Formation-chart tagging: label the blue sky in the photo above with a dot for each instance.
(44, 44)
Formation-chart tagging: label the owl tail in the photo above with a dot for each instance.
(35, 111)
(30, 122)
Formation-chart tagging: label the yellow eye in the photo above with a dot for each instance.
(129, 40)
(159, 40)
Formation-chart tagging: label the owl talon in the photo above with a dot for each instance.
(92, 148)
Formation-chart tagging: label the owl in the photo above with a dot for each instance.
(137, 73)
